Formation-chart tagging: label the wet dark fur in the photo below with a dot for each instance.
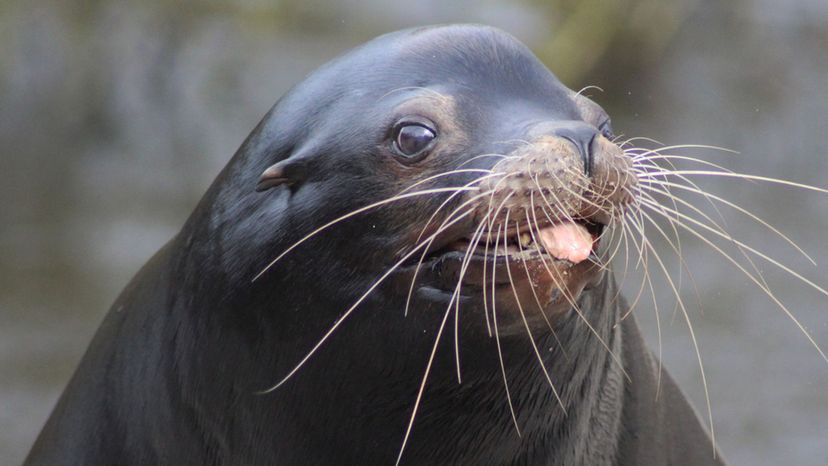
(173, 374)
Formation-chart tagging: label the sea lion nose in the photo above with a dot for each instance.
(583, 136)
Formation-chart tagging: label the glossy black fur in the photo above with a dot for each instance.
(173, 374)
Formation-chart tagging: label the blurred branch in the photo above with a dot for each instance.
(593, 30)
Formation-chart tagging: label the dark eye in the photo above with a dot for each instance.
(412, 139)
(606, 129)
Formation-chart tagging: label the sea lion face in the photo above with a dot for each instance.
(457, 163)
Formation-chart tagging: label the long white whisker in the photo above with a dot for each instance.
(745, 212)
(754, 280)
(692, 335)
(742, 176)
(350, 310)
(448, 173)
(472, 200)
(357, 212)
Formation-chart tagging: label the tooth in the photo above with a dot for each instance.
(525, 239)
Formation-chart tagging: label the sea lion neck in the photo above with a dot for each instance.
(378, 376)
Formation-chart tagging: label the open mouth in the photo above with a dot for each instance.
(568, 240)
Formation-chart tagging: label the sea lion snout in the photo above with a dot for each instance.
(581, 135)
(572, 171)
(543, 210)
(612, 182)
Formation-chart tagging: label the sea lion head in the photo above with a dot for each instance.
(449, 159)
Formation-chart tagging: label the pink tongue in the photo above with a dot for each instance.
(568, 241)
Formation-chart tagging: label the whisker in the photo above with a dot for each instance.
(743, 176)
(472, 200)
(640, 160)
(350, 310)
(588, 88)
(745, 212)
(450, 172)
(357, 212)
(692, 334)
(649, 281)
(676, 247)
(681, 146)
(754, 280)
(629, 221)
(493, 154)
(497, 337)
(526, 323)
(740, 244)
(447, 200)
(641, 138)
(423, 383)
(558, 280)
(676, 200)
(466, 258)
(540, 254)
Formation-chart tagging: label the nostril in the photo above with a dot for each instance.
(583, 137)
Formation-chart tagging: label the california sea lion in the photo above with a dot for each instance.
(437, 201)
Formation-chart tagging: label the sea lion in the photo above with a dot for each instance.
(402, 263)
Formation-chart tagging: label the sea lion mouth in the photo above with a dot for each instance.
(562, 243)
(559, 253)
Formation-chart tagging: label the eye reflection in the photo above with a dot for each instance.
(413, 139)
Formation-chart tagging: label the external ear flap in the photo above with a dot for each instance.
(287, 172)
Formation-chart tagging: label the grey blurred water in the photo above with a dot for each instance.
(114, 118)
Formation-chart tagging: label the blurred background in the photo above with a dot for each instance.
(115, 116)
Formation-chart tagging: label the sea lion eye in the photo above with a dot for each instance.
(412, 139)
